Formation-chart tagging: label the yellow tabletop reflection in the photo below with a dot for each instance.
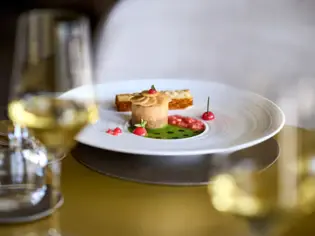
(96, 205)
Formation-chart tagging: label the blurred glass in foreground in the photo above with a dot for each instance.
(22, 178)
(52, 56)
(267, 198)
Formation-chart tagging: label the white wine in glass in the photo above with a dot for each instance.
(267, 199)
(52, 56)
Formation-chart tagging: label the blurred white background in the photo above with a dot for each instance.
(267, 46)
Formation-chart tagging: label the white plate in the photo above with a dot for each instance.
(243, 119)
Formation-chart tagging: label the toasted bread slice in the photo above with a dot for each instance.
(180, 99)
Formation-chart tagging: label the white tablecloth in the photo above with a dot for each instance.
(265, 46)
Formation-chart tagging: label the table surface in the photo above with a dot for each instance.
(99, 205)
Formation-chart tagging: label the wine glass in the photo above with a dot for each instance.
(268, 199)
(52, 56)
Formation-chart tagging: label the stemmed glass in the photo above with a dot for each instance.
(52, 56)
(268, 199)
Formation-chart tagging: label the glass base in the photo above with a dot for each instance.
(33, 213)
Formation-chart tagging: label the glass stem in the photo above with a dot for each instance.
(55, 172)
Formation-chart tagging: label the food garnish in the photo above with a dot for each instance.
(114, 132)
(208, 115)
(152, 90)
(140, 129)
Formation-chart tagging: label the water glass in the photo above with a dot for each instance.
(22, 177)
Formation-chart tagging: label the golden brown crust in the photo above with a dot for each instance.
(174, 104)
(122, 106)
